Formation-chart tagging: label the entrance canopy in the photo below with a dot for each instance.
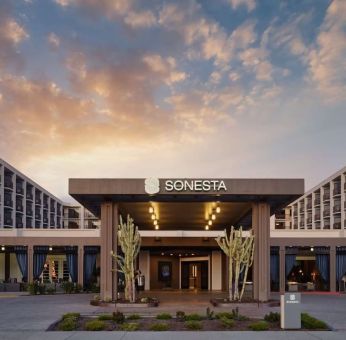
(176, 201)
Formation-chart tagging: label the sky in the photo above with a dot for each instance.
(193, 88)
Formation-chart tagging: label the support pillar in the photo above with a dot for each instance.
(332, 269)
(216, 270)
(144, 267)
(109, 224)
(81, 265)
(282, 269)
(30, 263)
(261, 264)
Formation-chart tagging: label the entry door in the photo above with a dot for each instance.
(185, 273)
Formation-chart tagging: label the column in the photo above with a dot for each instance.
(261, 264)
(144, 267)
(109, 223)
(30, 263)
(81, 265)
(282, 269)
(332, 269)
(216, 270)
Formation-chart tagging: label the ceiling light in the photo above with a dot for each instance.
(218, 209)
(210, 222)
(207, 227)
(193, 254)
(312, 249)
(171, 254)
(162, 254)
(213, 216)
(155, 222)
(50, 248)
(179, 254)
(157, 227)
(153, 217)
(3, 248)
(151, 210)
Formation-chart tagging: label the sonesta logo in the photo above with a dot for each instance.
(195, 185)
(152, 185)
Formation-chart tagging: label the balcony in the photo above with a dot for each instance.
(19, 207)
(337, 225)
(8, 183)
(45, 219)
(52, 209)
(326, 196)
(19, 189)
(337, 209)
(8, 203)
(337, 190)
(29, 212)
(309, 220)
(28, 223)
(8, 220)
(317, 201)
(317, 225)
(317, 217)
(37, 201)
(301, 225)
(326, 213)
(45, 206)
(309, 205)
(29, 196)
(37, 216)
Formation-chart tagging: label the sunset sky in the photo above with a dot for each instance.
(120, 88)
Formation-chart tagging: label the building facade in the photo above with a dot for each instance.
(178, 220)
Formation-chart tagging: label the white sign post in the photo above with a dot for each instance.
(290, 311)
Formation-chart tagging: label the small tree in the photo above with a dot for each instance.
(240, 252)
(130, 242)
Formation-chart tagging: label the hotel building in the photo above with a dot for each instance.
(178, 220)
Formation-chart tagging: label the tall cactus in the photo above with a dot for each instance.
(129, 240)
(240, 251)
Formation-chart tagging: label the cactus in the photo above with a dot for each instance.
(129, 240)
(240, 252)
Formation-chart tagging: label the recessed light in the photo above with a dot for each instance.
(153, 217)
(157, 227)
(151, 210)
(171, 254)
(210, 222)
(3, 248)
(218, 209)
(213, 216)
(207, 227)
(50, 248)
(155, 222)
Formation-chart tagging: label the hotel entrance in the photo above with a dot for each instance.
(194, 275)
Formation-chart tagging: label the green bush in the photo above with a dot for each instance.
(33, 288)
(193, 317)
(224, 315)
(164, 316)
(78, 288)
(71, 316)
(180, 315)
(129, 326)
(259, 326)
(68, 287)
(193, 325)
(227, 323)
(95, 325)
(159, 326)
(69, 324)
(133, 317)
(105, 317)
(118, 317)
(50, 290)
(272, 317)
(309, 322)
(42, 288)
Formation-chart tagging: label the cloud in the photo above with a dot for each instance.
(140, 19)
(327, 59)
(249, 4)
(53, 40)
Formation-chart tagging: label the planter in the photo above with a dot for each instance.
(245, 302)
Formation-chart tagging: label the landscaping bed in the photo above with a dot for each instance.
(223, 321)
(220, 302)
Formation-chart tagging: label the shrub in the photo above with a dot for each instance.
(133, 317)
(193, 317)
(50, 290)
(159, 326)
(78, 288)
(193, 325)
(69, 324)
(259, 326)
(129, 326)
(95, 325)
(33, 288)
(74, 316)
(42, 288)
(105, 317)
(180, 315)
(118, 317)
(68, 287)
(164, 316)
(227, 323)
(309, 322)
(224, 315)
(210, 314)
(272, 317)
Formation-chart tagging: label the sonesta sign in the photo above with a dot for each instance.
(152, 185)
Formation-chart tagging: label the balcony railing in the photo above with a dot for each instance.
(19, 190)
(309, 220)
(317, 217)
(45, 220)
(19, 207)
(8, 183)
(317, 201)
(29, 196)
(326, 213)
(337, 190)
(8, 220)
(337, 208)
(309, 206)
(37, 216)
(326, 196)
(29, 212)
(8, 203)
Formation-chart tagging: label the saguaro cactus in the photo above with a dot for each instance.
(240, 251)
(130, 242)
